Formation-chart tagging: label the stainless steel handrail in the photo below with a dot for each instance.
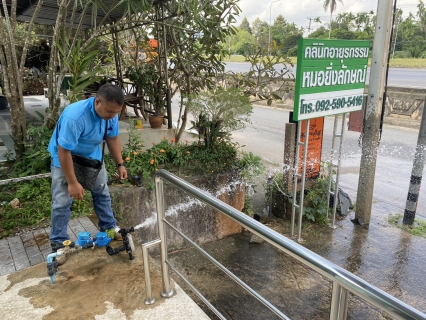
(343, 280)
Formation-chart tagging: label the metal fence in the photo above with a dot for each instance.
(343, 281)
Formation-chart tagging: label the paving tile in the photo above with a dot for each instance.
(14, 240)
(19, 255)
(40, 231)
(45, 254)
(4, 251)
(86, 222)
(70, 231)
(29, 243)
(36, 260)
(7, 269)
(45, 246)
(74, 223)
(33, 252)
(26, 236)
(17, 249)
(78, 229)
(21, 264)
(6, 258)
(47, 230)
(16, 246)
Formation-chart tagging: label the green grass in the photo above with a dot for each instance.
(418, 228)
(394, 63)
(35, 202)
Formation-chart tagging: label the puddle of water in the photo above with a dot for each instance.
(386, 257)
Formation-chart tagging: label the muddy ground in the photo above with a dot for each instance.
(88, 282)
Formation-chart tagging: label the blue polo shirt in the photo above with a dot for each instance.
(81, 130)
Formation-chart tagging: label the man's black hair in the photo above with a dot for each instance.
(111, 93)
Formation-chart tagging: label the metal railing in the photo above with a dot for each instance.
(343, 281)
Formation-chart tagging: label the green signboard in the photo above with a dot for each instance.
(330, 77)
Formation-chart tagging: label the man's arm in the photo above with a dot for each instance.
(114, 147)
(75, 189)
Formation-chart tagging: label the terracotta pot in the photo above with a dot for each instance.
(3, 103)
(156, 121)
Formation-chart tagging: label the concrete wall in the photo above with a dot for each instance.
(136, 206)
(407, 102)
(400, 101)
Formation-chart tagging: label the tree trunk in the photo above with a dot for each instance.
(13, 72)
(55, 78)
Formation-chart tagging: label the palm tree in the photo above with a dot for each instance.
(317, 20)
(332, 5)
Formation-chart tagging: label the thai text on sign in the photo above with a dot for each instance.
(330, 77)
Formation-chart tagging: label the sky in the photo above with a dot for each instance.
(299, 11)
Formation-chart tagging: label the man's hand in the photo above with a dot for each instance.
(122, 172)
(76, 191)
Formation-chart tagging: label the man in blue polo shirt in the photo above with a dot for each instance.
(80, 130)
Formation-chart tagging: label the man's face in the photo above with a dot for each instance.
(106, 110)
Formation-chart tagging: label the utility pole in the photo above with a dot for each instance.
(372, 111)
(416, 174)
(396, 33)
(270, 22)
(309, 27)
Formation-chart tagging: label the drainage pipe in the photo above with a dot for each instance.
(52, 265)
(13, 180)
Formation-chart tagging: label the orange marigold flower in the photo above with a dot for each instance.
(127, 159)
(186, 141)
(153, 143)
(188, 152)
(164, 138)
(162, 150)
(139, 144)
(135, 153)
(172, 140)
(152, 161)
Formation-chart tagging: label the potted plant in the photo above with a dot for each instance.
(149, 84)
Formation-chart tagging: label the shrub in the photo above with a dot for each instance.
(292, 52)
(315, 199)
(218, 113)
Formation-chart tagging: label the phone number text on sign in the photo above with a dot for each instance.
(328, 104)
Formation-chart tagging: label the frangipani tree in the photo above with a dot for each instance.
(13, 65)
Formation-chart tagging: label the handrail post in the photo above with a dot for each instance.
(344, 304)
(149, 298)
(339, 302)
(159, 194)
(344, 282)
(335, 301)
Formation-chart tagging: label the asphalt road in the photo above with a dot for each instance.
(395, 155)
(415, 78)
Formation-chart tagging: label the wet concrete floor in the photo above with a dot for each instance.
(383, 255)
